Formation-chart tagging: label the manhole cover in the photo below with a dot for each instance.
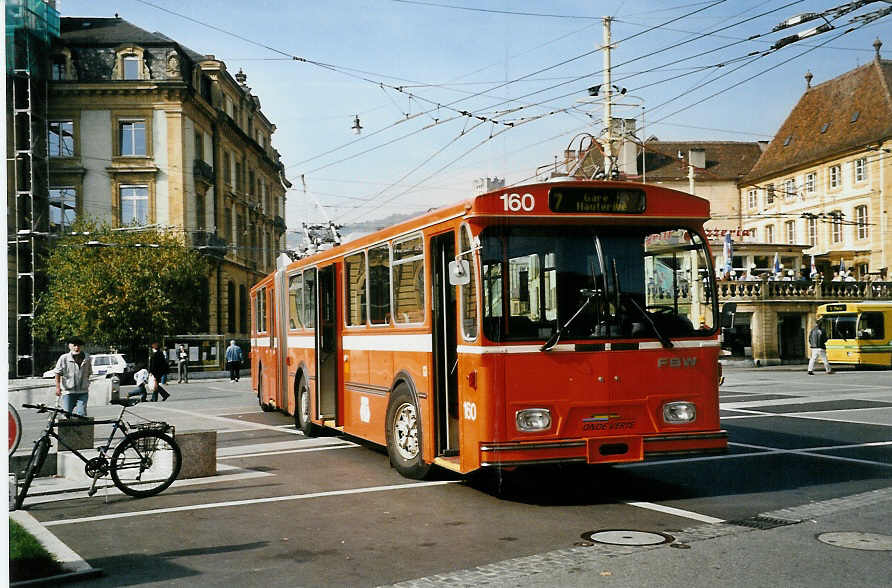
(627, 537)
(855, 540)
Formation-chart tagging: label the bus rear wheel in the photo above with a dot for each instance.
(263, 406)
(404, 434)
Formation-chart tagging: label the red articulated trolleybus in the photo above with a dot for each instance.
(557, 322)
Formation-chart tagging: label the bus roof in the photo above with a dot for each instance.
(855, 306)
(536, 203)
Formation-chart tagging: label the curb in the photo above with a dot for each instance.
(76, 567)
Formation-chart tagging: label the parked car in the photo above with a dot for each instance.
(108, 364)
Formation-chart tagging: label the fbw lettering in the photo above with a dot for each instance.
(676, 362)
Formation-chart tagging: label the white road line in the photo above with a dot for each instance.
(676, 511)
(230, 421)
(233, 503)
(810, 452)
(284, 451)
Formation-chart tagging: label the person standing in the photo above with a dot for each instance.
(233, 360)
(182, 364)
(158, 368)
(73, 371)
(817, 340)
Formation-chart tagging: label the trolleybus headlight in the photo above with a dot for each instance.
(679, 412)
(533, 419)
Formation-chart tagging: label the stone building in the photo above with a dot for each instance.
(145, 131)
(826, 177)
(718, 166)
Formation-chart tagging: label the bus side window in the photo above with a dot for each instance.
(310, 298)
(379, 285)
(468, 292)
(870, 326)
(295, 301)
(408, 280)
(354, 289)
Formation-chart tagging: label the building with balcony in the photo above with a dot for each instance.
(826, 178)
(144, 131)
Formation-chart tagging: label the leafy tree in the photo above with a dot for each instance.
(122, 288)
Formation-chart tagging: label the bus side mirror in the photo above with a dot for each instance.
(459, 272)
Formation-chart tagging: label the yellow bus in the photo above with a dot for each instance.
(858, 333)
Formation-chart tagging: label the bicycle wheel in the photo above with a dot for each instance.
(145, 463)
(38, 456)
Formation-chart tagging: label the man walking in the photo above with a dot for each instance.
(233, 360)
(182, 364)
(817, 340)
(73, 371)
(158, 368)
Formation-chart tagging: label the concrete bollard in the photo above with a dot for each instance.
(199, 451)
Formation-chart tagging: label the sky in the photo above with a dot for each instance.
(448, 91)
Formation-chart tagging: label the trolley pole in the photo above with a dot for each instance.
(608, 99)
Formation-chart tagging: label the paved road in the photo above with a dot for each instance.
(809, 455)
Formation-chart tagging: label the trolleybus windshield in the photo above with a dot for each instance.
(535, 279)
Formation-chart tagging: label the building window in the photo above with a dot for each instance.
(812, 231)
(861, 219)
(199, 145)
(790, 228)
(751, 198)
(61, 138)
(861, 169)
(769, 234)
(239, 232)
(227, 169)
(199, 211)
(811, 182)
(57, 68)
(63, 208)
(789, 189)
(133, 137)
(834, 176)
(131, 67)
(230, 307)
(227, 223)
(134, 205)
(243, 309)
(836, 226)
(769, 194)
(238, 176)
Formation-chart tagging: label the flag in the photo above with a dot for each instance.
(728, 254)
(814, 269)
(777, 269)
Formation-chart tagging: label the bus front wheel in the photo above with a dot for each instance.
(404, 434)
(302, 409)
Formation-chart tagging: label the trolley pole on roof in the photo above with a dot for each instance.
(608, 99)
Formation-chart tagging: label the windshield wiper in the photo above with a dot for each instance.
(556, 336)
(663, 339)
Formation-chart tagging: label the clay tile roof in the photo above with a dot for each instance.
(725, 160)
(847, 112)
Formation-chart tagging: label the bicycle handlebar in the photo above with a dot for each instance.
(45, 408)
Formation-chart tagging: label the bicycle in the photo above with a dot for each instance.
(144, 463)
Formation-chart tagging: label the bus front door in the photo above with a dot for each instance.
(444, 342)
(326, 345)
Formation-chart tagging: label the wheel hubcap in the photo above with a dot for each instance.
(304, 405)
(405, 431)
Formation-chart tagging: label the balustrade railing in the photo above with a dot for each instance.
(801, 291)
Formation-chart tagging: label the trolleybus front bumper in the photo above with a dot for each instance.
(592, 450)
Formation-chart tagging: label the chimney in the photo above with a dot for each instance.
(697, 158)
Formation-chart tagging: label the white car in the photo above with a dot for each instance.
(107, 364)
